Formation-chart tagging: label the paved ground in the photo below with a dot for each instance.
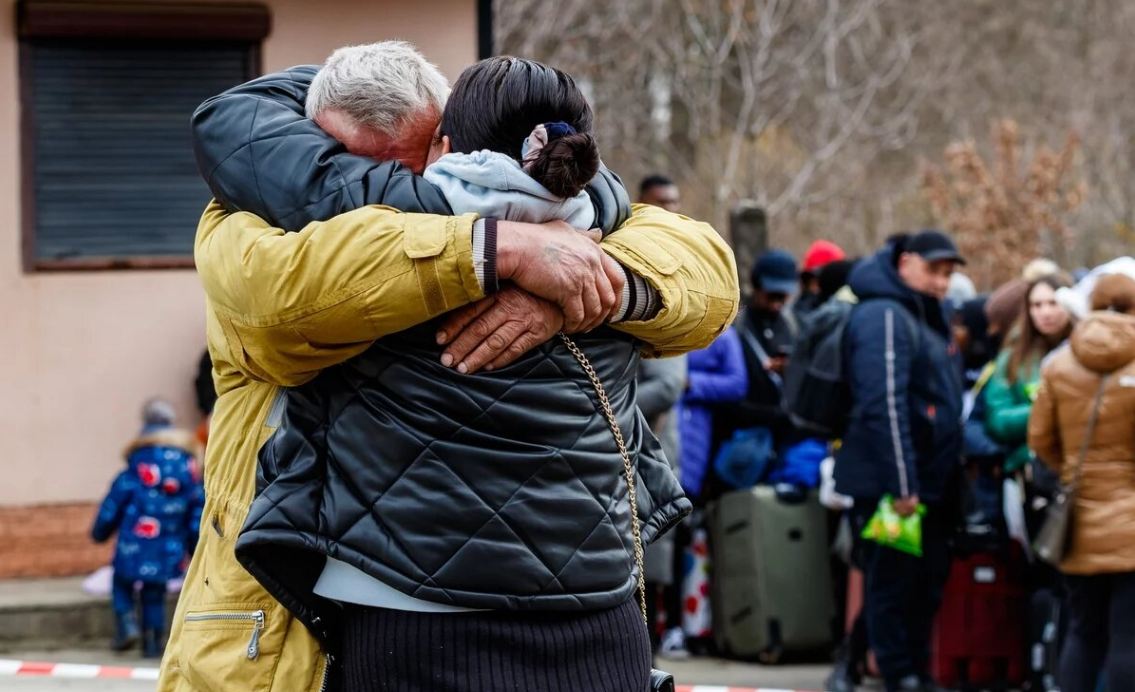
(702, 671)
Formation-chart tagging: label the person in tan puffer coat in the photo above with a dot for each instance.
(1100, 564)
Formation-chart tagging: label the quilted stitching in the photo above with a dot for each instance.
(451, 491)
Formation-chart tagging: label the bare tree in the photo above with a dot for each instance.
(822, 110)
(752, 99)
(1006, 211)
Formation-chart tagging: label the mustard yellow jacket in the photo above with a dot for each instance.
(284, 306)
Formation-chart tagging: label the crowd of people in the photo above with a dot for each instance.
(976, 411)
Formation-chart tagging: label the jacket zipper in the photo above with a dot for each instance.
(326, 672)
(256, 617)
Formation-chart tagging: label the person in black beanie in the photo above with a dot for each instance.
(971, 332)
(832, 277)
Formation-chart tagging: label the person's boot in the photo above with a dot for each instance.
(911, 683)
(928, 685)
(843, 677)
(125, 631)
(152, 643)
(673, 645)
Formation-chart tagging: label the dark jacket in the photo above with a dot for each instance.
(386, 462)
(313, 177)
(501, 490)
(905, 433)
(155, 507)
(762, 404)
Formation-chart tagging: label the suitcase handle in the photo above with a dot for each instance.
(790, 494)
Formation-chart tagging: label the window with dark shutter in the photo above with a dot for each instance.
(109, 175)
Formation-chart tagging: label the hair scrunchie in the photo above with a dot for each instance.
(540, 137)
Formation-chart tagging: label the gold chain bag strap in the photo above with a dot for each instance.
(659, 681)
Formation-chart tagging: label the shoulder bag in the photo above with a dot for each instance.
(1055, 537)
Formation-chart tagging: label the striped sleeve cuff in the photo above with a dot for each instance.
(485, 254)
(640, 301)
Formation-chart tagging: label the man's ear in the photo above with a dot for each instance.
(446, 147)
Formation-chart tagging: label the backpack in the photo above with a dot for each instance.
(817, 397)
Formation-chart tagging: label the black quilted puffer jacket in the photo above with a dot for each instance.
(501, 490)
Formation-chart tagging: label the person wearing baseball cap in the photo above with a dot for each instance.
(903, 439)
(767, 331)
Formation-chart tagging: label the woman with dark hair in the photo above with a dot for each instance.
(1042, 326)
(515, 143)
(474, 532)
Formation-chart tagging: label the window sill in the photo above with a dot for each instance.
(94, 264)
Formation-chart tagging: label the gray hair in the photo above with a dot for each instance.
(381, 85)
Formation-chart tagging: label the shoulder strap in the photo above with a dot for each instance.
(793, 324)
(754, 344)
(762, 355)
(1088, 432)
(628, 467)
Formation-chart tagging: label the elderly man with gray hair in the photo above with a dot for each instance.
(306, 264)
(389, 114)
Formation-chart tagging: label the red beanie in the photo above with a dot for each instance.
(820, 253)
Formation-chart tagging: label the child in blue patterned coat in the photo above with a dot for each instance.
(155, 507)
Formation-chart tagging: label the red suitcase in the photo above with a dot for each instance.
(980, 638)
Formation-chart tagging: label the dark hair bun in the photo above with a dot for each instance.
(567, 164)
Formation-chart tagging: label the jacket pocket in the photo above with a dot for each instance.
(229, 647)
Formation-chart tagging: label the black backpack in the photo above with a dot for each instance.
(817, 397)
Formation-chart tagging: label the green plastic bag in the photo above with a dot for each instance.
(887, 528)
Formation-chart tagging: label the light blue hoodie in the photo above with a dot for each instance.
(494, 184)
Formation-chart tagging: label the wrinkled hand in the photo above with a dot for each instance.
(906, 506)
(497, 330)
(558, 263)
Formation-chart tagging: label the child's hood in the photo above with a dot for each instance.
(165, 437)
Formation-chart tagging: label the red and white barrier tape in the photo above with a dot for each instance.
(9, 667)
(717, 688)
(74, 670)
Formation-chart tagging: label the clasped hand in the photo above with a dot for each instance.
(554, 278)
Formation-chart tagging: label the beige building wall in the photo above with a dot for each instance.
(81, 351)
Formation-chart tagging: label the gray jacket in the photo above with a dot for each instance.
(660, 386)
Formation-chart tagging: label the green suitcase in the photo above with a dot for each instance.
(771, 577)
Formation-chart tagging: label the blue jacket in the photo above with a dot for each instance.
(717, 375)
(905, 432)
(155, 506)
